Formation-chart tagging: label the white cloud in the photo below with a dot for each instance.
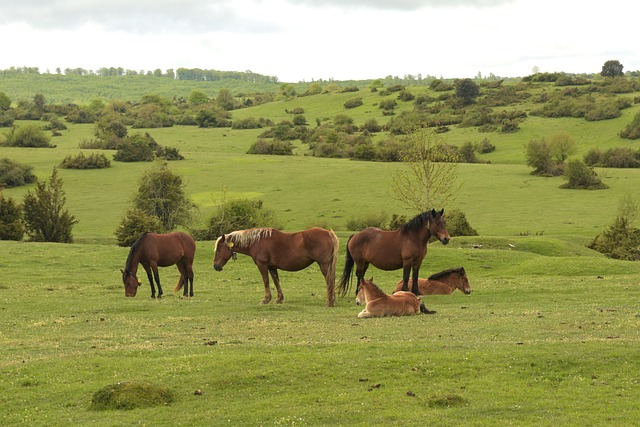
(304, 39)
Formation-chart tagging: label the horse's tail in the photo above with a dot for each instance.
(180, 283)
(345, 280)
(331, 274)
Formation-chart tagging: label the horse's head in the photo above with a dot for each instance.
(131, 283)
(438, 226)
(463, 284)
(223, 252)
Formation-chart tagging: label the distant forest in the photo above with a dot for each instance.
(195, 74)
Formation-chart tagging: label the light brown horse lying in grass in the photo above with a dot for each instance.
(443, 283)
(380, 304)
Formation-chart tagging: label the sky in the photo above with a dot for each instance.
(309, 40)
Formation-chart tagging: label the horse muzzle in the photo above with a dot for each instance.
(217, 267)
(467, 292)
(445, 240)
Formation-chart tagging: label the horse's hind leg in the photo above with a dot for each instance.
(360, 272)
(330, 279)
(276, 281)
(265, 279)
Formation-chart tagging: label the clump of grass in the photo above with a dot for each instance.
(447, 401)
(130, 395)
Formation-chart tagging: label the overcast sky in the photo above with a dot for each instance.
(305, 40)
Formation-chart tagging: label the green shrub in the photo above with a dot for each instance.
(80, 161)
(632, 130)
(263, 146)
(136, 148)
(13, 174)
(11, 226)
(353, 103)
(367, 220)
(581, 176)
(134, 224)
(621, 240)
(458, 225)
(239, 214)
(30, 135)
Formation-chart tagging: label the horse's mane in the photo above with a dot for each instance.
(134, 249)
(245, 238)
(444, 273)
(416, 223)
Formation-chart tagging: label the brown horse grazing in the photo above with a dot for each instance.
(272, 249)
(443, 283)
(160, 250)
(403, 248)
(380, 304)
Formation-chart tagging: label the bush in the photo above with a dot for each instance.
(368, 220)
(14, 174)
(581, 176)
(30, 135)
(11, 227)
(262, 146)
(353, 103)
(632, 131)
(94, 161)
(621, 240)
(136, 148)
(457, 224)
(134, 224)
(239, 214)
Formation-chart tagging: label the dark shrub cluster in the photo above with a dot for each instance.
(274, 147)
(353, 103)
(11, 226)
(237, 214)
(632, 130)
(80, 161)
(13, 174)
(619, 157)
(251, 123)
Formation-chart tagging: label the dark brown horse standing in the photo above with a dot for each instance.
(443, 283)
(272, 249)
(403, 248)
(160, 250)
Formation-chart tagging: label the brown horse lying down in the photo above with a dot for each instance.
(379, 304)
(443, 283)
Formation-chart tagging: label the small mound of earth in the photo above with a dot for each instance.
(130, 395)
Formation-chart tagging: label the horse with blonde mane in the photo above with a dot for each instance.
(274, 250)
(443, 283)
(380, 304)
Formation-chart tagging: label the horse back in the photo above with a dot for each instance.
(167, 249)
(429, 287)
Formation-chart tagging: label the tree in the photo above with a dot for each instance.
(161, 194)
(612, 68)
(621, 240)
(13, 174)
(11, 227)
(5, 102)
(45, 218)
(428, 179)
(562, 145)
(467, 90)
(136, 222)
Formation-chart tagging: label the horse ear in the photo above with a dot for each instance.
(433, 213)
(442, 212)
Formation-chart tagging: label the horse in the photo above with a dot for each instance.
(272, 249)
(443, 283)
(380, 304)
(160, 250)
(403, 248)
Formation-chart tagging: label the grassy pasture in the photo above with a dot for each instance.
(549, 335)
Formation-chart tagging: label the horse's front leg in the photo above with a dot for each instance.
(147, 269)
(264, 272)
(414, 283)
(276, 281)
(406, 273)
(156, 275)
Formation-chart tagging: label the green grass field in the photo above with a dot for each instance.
(549, 335)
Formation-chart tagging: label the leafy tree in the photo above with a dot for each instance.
(30, 135)
(161, 195)
(458, 225)
(13, 174)
(225, 100)
(11, 227)
(539, 156)
(612, 68)
(5, 102)
(197, 97)
(45, 218)
(562, 145)
(136, 148)
(581, 176)
(135, 222)
(467, 90)
(429, 177)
